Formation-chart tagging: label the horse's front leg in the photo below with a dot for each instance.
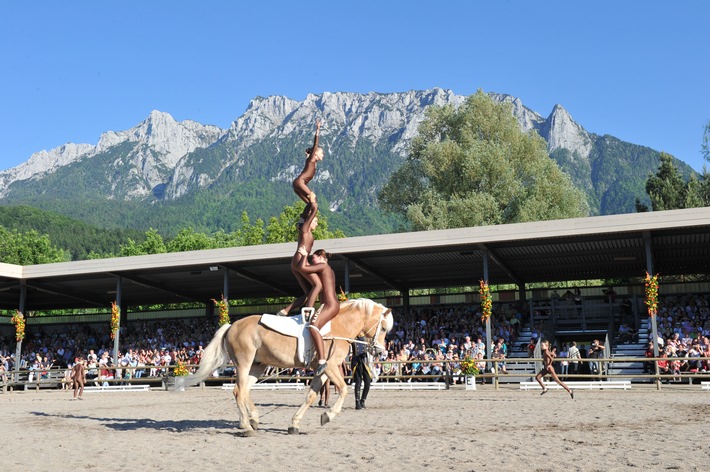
(336, 377)
(310, 399)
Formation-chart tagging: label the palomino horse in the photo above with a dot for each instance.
(253, 347)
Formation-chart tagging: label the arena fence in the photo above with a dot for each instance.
(448, 374)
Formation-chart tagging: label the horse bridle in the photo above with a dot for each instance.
(372, 344)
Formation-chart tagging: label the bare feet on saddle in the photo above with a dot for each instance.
(544, 391)
(321, 368)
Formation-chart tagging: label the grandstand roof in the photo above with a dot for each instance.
(572, 249)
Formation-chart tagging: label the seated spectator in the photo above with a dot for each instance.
(531, 348)
(498, 356)
(648, 365)
(626, 334)
(437, 368)
(663, 367)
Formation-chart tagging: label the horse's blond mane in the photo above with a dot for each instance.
(367, 306)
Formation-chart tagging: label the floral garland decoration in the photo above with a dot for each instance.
(18, 320)
(468, 366)
(180, 370)
(115, 318)
(486, 300)
(223, 308)
(651, 301)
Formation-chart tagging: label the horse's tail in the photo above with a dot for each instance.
(214, 357)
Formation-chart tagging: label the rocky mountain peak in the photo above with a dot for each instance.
(561, 131)
(44, 162)
(170, 140)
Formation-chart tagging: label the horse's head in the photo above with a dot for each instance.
(377, 321)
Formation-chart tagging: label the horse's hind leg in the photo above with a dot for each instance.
(241, 395)
(255, 372)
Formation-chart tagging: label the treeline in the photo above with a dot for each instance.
(30, 236)
(24, 226)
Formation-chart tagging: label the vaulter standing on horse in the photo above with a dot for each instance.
(300, 184)
(330, 305)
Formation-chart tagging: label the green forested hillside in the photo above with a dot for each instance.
(74, 236)
(615, 174)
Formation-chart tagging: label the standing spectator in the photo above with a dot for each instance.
(564, 364)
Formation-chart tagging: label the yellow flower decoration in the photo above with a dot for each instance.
(180, 370)
(486, 300)
(341, 296)
(19, 321)
(468, 367)
(115, 318)
(651, 284)
(223, 308)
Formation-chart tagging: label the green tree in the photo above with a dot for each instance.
(704, 184)
(153, 244)
(705, 147)
(250, 234)
(188, 240)
(28, 248)
(282, 229)
(472, 166)
(667, 189)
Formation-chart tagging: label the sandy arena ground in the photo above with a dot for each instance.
(509, 429)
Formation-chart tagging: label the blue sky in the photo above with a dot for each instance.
(637, 70)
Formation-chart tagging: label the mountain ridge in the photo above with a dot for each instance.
(161, 165)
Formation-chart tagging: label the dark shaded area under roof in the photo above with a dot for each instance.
(678, 242)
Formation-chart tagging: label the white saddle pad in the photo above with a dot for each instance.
(295, 326)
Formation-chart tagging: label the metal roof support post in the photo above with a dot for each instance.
(18, 346)
(489, 348)
(225, 283)
(119, 287)
(346, 276)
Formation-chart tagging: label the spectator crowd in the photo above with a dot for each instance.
(441, 335)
